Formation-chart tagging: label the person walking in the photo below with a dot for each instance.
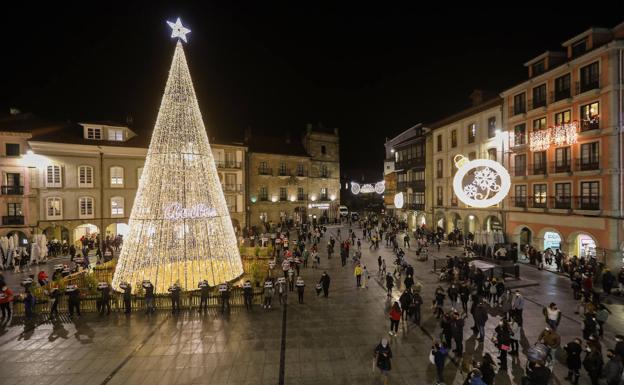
(573, 360)
(29, 304)
(502, 342)
(487, 369)
(417, 302)
(104, 300)
(593, 364)
(480, 317)
(517, 307)
(514, 337)
(73, 299)
(438, 302)
(552, 340)
(358, 275)
(457, 330)
(552, 315)
(613, 368)
(395, 317)
(247, 294)
(300, 288)
(405, 300)
(204, 292)
(325, 281)
(505, 301)
(383, 358)
(6, 297)
(389, 284)
(439, 354)
(268, 293)
(54, 295)
(366, 276)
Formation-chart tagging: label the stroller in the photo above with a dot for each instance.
(537, 353)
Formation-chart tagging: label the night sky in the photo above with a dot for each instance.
(371, 71)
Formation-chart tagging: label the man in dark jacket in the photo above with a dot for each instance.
(383, 357)
(457, 329)
(573, 360)
(439, 357)
(127, 296)
(104, 301)
(174, 290)
(324, 281)
(389, 284)
(149, 296)
(247, 294)
(613, 369)
(480, 317)
(540, 375)
(73, 299)
(204, 291)
(593, 364)
(417, 301)
(405, 299)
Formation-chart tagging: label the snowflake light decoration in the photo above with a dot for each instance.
(489, 185)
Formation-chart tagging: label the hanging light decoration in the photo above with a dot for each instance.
(540, 140)
(180, 226)
(565, 134)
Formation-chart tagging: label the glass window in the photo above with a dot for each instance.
(519, 106)
(282, 193)
(539, 96)
(54, 208)
(579, 48)
(14, 209)
(439, 195)
(115, 134)
(230, 200)
(562, 159)
(520, 165)
(589, 154)
(439, 168)
(94, 133)
(300, 171)
(539, 195)
(472, 132)
(492, 154)
(539, 162)
(520, 198)
(323, 150)
(85, 176)
(590, 117)
(589, 77)
(53, 176)
(563, 117)
(590, 196)
(538, 68)
(520, 134)
(12, 149)
(439, 142)
(492, 127)
(264, 194)
(85, 207)
(454, 138)
(323, 192)
(563, 195)
(539, 124)
(562, 87)
(117, 175)
(300, 194)
(117, 206)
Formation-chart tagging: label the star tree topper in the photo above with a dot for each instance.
(178, 30)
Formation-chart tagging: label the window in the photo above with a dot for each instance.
(139, 173)
(14, 209)
(282, 168)
(54, 208)
(440, 168)
(12, 149)
(230, 182)
(85, 207)
(230, 200)
(589, 77)
(439, 195)
(230, 159)
(85, 176)
(324, 193)
(590, 118)
(12, 184)
(300, 171)
(520, 134)
(563, 117)
(589, 156)
(116, 175)
(492, 154)
(115, 134)
(520, 192)
(519, 106)
(472, 132)
(539, 163)
(539, 124)
(417, 175)
(453, 138)
(94, 133)
(579, 48)
(563, 195)
(283, 195)
(539, 195)
(419, 198)
(324, 173)
(538, 68)
(300, 194)
(562, 87)
(264, 194)
(439, 142)
(263, 169)
(492, 127)
(117, 206)
(562, 159)
(472, 155)
(323, 150)
(539, 96)
(520, 165)
(53, 176)
(590, 196)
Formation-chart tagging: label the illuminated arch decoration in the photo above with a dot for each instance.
(368, 188)
(398, 200)
(488, 183)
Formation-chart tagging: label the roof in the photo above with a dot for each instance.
(111, 123)
(73, 133)
(277, 145)
(493, 102)
(24, 123)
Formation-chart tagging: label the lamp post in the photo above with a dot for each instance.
(499, 134)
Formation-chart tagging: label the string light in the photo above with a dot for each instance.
(180, 227)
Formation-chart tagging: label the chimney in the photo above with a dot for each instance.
(129, 120)
(477, 97)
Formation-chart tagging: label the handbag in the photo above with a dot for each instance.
(431, 357)
(504, 347)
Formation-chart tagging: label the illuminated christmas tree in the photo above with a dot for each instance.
(180, 227)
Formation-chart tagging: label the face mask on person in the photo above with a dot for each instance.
(384, 342)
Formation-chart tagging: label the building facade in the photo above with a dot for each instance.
(81, 179)
(475, 133)
(565, 155)
(293, 181)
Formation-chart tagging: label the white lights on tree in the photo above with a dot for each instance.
(398, 200)
(480, 182)
(180, 229)
(178, 30)
(368, 188)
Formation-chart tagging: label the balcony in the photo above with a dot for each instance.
(302, 197)
(323, 198)
(589, 202)
(537, 103)
(538, 202)
(11, 220)
(538, 169)
(589, 85)
(561, 168)
(416, 206)
(233, 187)
(283, 172)
(229, 164)
(301, 173)
(263, 198)
(12, 190)
(517, 109)
(320, 174)
(416, 185)
(411, 163)
(555, 96)
(520, 171)
(588, 164)
(518, 201)
(265, 171)
(563, 202)
(439, 202)
(518, 139)
(283, 198)
(590, 124)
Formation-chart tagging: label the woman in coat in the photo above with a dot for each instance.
(506, 300)
(503, 342)
(383, 357)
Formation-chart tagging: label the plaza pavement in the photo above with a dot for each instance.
(324, 341)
